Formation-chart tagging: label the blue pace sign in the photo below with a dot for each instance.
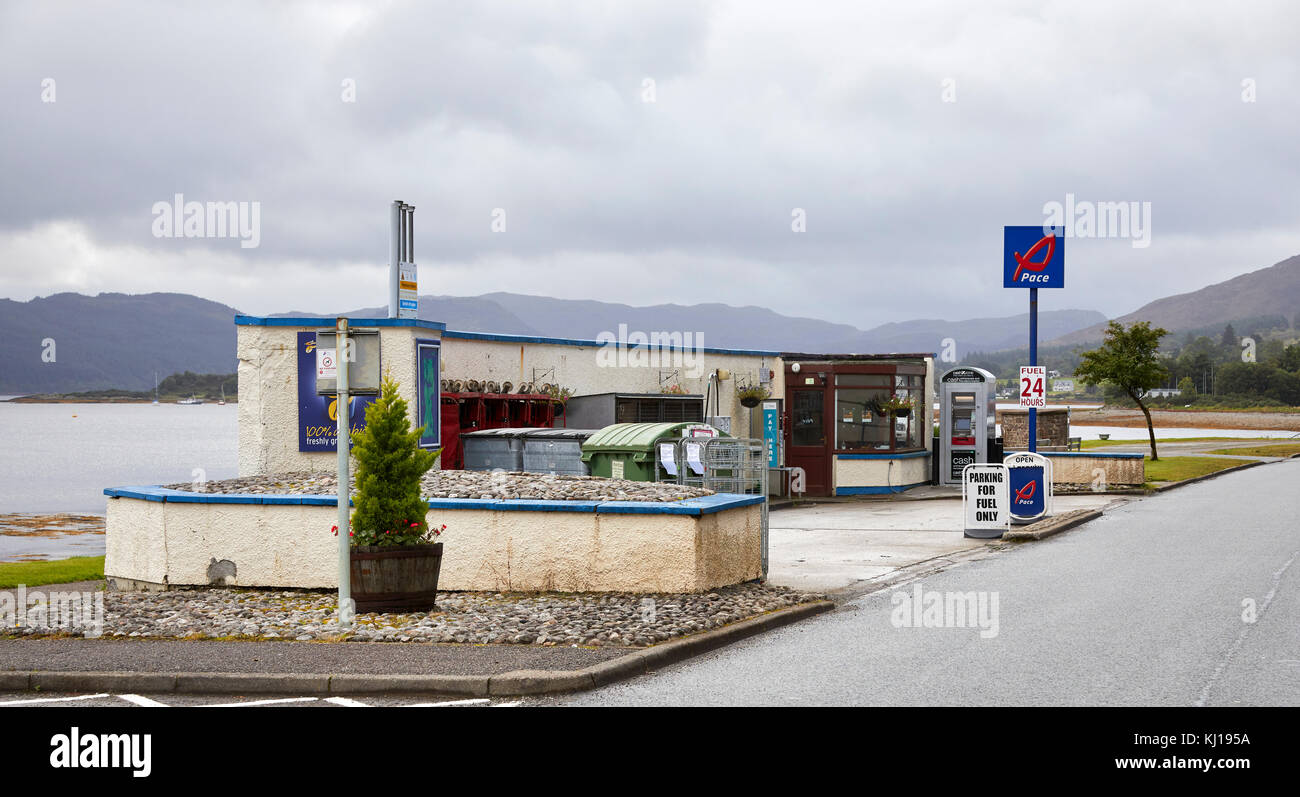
(1032, 258)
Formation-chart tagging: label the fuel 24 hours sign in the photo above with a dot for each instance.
(1033, 386)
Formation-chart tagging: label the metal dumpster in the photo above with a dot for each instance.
(556, 451)
(495, 449)
(627, 450)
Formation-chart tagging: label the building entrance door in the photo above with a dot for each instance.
(807, 446)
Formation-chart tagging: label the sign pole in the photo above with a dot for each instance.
(1033, 361)
(344, 486)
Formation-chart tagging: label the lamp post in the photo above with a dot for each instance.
(344, 491)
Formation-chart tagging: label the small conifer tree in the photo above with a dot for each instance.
(389, 509)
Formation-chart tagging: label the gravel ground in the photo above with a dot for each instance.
(590, 619)
(466, 484)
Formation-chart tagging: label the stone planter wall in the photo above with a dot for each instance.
(159, 538)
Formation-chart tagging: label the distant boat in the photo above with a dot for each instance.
(190, 400)
(222, 403)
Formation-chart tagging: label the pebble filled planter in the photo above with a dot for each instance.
(510, 532)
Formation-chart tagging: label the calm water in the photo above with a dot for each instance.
(60, 457)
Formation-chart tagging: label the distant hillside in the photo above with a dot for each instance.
(732, 327)
(1272, 291)
(112, 340)
(117, 341)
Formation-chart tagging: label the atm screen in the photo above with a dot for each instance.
(962, 424)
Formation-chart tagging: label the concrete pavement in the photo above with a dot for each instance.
(835, 547)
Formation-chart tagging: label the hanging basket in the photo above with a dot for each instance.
(750, 401)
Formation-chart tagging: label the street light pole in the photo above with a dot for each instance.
(344, 492)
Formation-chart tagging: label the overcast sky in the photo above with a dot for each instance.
(908, 133)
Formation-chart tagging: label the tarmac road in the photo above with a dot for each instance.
(1148, 605)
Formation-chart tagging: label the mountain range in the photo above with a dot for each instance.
(116, 340)
(1241, 301)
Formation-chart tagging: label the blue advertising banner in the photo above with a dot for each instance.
(429, 389)
(1032, 258)
(318, 415)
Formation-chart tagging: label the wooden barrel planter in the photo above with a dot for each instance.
(395, 578)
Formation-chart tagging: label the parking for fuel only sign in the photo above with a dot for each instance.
(1033, 386)
(986, 500)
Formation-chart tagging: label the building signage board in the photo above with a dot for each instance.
(770, 434)
(1033, 386)
(1032, 259)
(963, 375)
(317, 415)
(985, 496)
(1031, 486)
(408, 294)
(428, 379)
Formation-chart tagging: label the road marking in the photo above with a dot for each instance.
(476, 701)
(34, 700)
(278, 701)
(143, 701)
(344, 701)
(1241, 637)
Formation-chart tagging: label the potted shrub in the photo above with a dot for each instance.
(750, 395)
(395, 556)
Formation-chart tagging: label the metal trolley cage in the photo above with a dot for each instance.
(721, 464)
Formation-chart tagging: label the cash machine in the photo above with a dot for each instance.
(967, 420)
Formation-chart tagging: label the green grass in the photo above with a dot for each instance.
(1280, 450)
(1176, 469)
(1162, 440)
(60, 571)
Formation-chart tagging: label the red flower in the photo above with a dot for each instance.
(335, 529)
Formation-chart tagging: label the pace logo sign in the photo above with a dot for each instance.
(1030, 487)
(1032, 258)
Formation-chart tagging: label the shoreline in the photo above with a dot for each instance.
(1202, 419)
(88, 400)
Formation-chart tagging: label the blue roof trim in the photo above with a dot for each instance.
(313, 321)
(492, 336)
(545, 505)
(903, 455)
(706, 505)
(463, 503)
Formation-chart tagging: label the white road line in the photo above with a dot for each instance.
(1245, 630)
(264, 702)
(476, 701)
(143, 701)
(50, 700)
(511, 704)
(344, 701)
